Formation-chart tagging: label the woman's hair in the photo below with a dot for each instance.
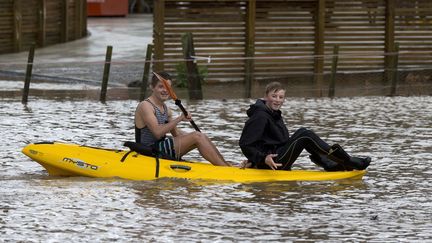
(155, 80)
(273, 86)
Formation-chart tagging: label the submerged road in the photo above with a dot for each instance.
(391, 204)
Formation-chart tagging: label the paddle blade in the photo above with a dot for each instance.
(166, 85)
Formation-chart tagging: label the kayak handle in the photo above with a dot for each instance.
(182, 167)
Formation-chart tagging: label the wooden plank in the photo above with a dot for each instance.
(202, 24)
(209, 45)
(288, 28)
(29, 24)
(202, 30)
(53, 22)
(194, 79)
(215, 55)
(204, 10)
(17, 37)
(291, 64)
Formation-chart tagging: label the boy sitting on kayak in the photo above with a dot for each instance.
(266, 143)
(153, 120)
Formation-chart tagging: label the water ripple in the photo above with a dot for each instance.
(392, 203)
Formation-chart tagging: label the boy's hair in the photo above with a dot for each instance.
(273, 86)
(164, 75)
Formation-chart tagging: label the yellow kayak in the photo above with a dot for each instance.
(63, 159)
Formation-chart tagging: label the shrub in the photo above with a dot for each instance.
(182, 81)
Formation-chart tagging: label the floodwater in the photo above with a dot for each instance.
(391, 203)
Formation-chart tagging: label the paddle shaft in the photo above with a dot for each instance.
(176, 100)
(179, 104)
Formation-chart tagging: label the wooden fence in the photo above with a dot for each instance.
(40, 22)
(254, 40)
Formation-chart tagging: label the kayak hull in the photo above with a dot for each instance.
(63, 159)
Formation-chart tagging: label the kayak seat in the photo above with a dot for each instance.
(146, 150)
(140, 148)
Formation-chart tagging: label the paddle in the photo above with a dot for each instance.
(176, 100)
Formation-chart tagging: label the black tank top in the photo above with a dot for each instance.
(144, 135)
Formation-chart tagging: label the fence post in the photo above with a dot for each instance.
(28, 74)
(106, 74)
(158, 33)
(84, 18)
(77, 20)
(194, 79)
(65, 22)
(333, 71)
(42, 23)
(395, 73)
(250, 47)
(146, 72)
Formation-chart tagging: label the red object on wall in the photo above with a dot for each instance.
(107, 7)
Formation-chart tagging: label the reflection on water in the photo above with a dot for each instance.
(392, 202)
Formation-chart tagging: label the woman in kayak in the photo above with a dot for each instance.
(266, 143)
(153, 120)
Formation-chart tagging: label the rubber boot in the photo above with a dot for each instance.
(328, 165)
(339, 155)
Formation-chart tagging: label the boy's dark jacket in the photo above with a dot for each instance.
(263, 133)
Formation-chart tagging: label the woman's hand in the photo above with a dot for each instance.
(270, 162)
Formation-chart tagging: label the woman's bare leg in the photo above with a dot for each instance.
(187, 142)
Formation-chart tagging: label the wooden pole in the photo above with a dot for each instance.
(77, 21)
(28, 74)
(158, 34)
(250, 48)
(395, 75)
(65, 19)
(319, 45)
(144, 82)
(84, 18)
(194, 79)
(42, 23)
(106, 74)
(333, 73)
